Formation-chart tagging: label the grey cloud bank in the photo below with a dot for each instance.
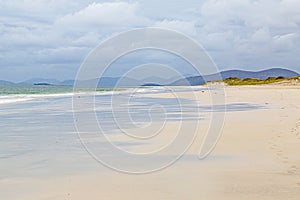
(50, 39)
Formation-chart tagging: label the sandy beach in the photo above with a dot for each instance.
(149, 100)
(257, 157)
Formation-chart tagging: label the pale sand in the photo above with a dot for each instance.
(257, 157)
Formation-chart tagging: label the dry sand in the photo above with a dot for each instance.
(257, 157)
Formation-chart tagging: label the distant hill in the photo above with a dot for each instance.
(117, 81)
(151, 84)
(67, 82)
(200, 80)
(43, 84)
(195, 80)
(109, 82)
(3, 82)
(40, 80)
(174, 81)
(274, 72)
(123, 81)
(158, 80)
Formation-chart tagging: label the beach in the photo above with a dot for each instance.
(256, 157)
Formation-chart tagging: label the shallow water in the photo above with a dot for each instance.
(33, 89)
(38, 136)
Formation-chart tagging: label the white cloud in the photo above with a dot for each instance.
(284, 42)
(38, 9)
(253, 13)
(62, 55)
(103, 17)
(186, 27)
(89, 39)
(218, 41)
(252, 33)
(261, 35)
(259, 30)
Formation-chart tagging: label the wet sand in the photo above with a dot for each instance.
(257, 157)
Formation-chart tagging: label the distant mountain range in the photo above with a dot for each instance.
(2, 82)
(40, 80)
(264, 74)
(174, 81)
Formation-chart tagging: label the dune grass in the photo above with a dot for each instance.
(254, 81)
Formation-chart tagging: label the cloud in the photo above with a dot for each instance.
(252, 33)
(103, 16)
(88, 39)
(285, 42)
(252, 13)
(69, 55)
(186, 27)
(261, 35)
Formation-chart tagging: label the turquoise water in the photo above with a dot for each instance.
(41, 89)
(34, 89)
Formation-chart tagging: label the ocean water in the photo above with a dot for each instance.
(20, 93)
(34, 89)
(42, 89)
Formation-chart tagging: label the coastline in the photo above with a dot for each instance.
(256, 157)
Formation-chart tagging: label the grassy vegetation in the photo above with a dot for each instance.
(108, 89)
(254, 81)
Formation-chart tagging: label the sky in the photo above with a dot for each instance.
(51, 38)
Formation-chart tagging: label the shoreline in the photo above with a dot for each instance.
(256, 157)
